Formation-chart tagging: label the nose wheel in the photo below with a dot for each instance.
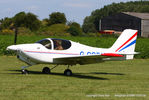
(24, 71)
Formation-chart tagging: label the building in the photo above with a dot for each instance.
(127, 20)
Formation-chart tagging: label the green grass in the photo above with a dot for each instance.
(108, 78)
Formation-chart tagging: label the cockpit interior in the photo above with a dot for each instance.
(55, 44)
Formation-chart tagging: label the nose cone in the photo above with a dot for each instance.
(12, 47)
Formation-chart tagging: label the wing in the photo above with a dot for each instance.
(87, 59)
(78, 60)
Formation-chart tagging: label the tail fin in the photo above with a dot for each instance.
(125, 44)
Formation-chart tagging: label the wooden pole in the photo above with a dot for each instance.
(16, 33)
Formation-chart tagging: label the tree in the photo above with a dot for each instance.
(88, 25)
(57, 18)
(28, 20)
(74, 29)
(19, 19)
(6, 23)
(32, 22)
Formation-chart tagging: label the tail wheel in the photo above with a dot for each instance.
(46, 70)
(68, 72)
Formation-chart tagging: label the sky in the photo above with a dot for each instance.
(75, 10)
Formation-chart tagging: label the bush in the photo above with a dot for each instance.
(7, 32)
(24, 31)
(54, 30)
(74, 31)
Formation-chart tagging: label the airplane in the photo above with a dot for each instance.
(66, 52)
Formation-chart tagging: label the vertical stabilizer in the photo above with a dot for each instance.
(126, 43)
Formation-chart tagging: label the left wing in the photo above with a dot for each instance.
(86, 59)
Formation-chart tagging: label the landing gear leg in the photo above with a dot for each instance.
(68, 72)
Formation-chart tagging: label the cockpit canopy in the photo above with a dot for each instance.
(56, 44)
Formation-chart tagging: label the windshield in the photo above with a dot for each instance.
(46, 43)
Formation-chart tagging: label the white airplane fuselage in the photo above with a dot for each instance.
(36, 53)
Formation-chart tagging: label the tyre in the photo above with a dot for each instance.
(68, 72)
(46, 70)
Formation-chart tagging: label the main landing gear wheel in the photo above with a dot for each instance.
(68, 72)
(46, 70)
(24, 71)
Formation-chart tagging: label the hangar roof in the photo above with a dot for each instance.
(139, 15)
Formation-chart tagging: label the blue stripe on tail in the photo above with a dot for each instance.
(133, 42)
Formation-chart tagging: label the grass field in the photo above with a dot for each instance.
(120, 80)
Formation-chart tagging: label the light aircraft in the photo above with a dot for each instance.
(67, 52)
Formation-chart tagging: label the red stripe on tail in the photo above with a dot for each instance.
(127, 41)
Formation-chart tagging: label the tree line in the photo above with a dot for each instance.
(91, 23)
(31, 23)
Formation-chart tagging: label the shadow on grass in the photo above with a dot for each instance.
(105, 73)
(76, 75)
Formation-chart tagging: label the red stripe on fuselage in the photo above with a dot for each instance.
(52, 52)
(112, 55)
